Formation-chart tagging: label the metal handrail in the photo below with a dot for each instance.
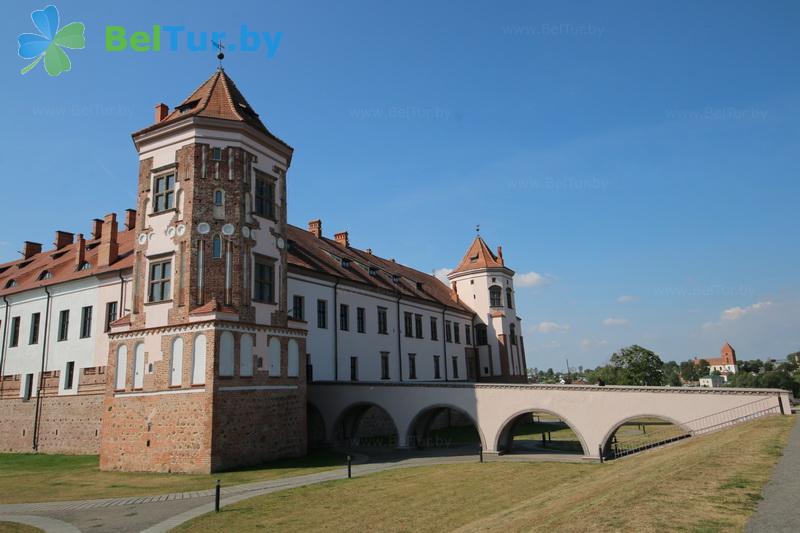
(697, 426)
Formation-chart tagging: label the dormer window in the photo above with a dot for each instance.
(373, 271)
(395, 278)
(45, 275)
(419, 285)
(345, 262)
(11, 283)
(473, 259)
(216, 154)
(86, 265)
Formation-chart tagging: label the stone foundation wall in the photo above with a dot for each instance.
(253, 427)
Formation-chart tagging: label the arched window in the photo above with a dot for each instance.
(495, 296)
(122, 367)
(512, 330)
(138, 366)
(219, 198)
(274, 357)
(216, 247)
(199, 360)
(226, 354)
(46, 274)
(11, 283)
(293, 364)
(176, 363)
(509, 299)
(246, 356)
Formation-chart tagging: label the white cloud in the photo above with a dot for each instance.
(735, 313)
(615, 322)
(531, 279)
(551, 327)
(589, 343)
(442, 273)
(626, 298)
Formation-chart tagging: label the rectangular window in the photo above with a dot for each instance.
(14, 341)
(322, 314)
(408, 324)
(264, 282)
(354, 369)
(86, 322)
(360, 321)
(160, 275)
(27, 390)
(63, 325)
(265, 197)
(455, 367)
(384, 365)
(111, 315)
(216, 153)
(467, 334)
(33, 335)
(457, 333)
(383, 323)
(163, 193)
(434, 329)
(298, 307)
(436, 371)
(412, 366)
(448, 332)
(69, 375)
(344, 316)
(418, 326)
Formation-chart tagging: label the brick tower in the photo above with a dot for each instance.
(206, 372)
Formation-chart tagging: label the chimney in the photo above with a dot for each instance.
(369, 251)
(29, 249)
(107, 252)
(315, 227)
(97, 228)
(80, 251)
(63, 238)
(162, 110)
(130, 219)
(342, 239)
(500, 254)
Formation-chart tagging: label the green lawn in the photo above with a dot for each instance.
(38, 478)
(13, 527)
(709, 483)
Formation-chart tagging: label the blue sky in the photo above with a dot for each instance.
(638, 160)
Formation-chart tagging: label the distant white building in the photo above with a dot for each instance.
(712, 381)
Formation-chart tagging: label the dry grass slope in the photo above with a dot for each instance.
(711, 483)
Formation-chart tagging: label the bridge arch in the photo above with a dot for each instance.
(315, 423)
(677, 428)
(347, 422)
(420, 425)
(505, 435)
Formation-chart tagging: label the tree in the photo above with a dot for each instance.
(703, 367)
(638, 366)
(689, 371)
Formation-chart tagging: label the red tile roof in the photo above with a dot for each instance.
(217, 97)
(320, 255)
(212, 306)
(478, 256)
(61, 264)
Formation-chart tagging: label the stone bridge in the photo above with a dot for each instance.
(594, 413)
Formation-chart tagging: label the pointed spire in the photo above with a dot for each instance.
(478, 256)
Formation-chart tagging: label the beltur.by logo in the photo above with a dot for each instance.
(173, 38)
(50, 42)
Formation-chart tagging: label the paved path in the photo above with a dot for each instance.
(164, 512)
(779, 511)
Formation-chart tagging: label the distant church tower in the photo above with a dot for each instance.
(483, 282)
(206, 372)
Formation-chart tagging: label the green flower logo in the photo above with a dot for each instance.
(48, 44)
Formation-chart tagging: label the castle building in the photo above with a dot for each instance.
(185, 340)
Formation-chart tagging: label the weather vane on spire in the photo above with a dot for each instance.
(478, 229)
(219, 46)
